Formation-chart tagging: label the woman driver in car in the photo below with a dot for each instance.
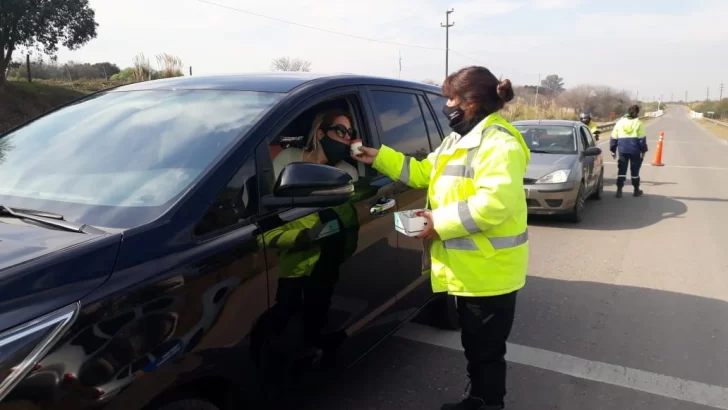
(330, 144)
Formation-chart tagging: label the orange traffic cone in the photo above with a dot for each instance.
(658, 153)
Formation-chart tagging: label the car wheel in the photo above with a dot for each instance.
(189, 404)
(599, 192)
(577, 215)
(444, 312)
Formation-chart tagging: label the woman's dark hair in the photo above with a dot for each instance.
(633, 111)
(478, 89)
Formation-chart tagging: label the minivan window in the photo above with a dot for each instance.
(236, 203)
(435, 138)
(438, 102)
(136, 149)
(402, 124)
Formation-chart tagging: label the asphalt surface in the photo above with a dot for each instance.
(627, 310)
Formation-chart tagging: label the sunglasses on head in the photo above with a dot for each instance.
(341, 131)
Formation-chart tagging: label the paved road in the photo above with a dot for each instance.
(624, 311)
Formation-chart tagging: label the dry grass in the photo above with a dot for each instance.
(142, 68)
(717, 130)
(520, 110)
(169, 65)
(21, 100)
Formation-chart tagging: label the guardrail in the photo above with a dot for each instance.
(605, 126)
(700, 115)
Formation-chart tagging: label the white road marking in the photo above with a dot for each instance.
(682, 166)
(668, 142)
(666, 386)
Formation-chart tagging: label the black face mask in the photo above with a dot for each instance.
(458, 123)
(335, 151)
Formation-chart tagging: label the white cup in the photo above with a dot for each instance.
(354, 147)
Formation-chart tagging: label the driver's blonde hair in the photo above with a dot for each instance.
(323, 119)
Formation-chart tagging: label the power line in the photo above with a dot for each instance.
(375, 40)
(394, 43)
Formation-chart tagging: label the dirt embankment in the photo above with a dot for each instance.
(21, 100)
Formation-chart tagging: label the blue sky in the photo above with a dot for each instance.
(651, 47)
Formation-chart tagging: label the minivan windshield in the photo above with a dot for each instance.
(549, 139)
(117, 158)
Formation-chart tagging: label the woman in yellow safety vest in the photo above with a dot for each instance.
(476, 233)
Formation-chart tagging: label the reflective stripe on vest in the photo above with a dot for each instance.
(466, 219)
(404, 174)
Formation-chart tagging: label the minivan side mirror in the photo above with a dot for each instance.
(592, 151)
(307, 184)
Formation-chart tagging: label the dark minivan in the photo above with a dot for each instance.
(160, 250)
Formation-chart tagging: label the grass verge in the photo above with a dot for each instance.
(21, 100)
(717, 130)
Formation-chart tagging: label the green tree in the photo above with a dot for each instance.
(43, 24)
(126, 75)
(553, 82)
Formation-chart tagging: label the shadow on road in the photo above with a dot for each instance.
(662, 332)
(626, 213)
(613, 182)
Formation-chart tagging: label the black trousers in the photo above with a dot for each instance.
(634, 162)
(486, 324)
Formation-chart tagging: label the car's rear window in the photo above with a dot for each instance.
(552, 139)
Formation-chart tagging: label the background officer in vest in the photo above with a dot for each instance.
(477, 233)
(586, 118)
(630, 138)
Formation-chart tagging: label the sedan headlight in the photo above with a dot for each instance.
(556, 177)
(22, 347)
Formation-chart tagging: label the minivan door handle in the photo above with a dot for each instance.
(382, 206)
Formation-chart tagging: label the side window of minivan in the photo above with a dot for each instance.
(236, 203)
(437, 102)
(431, 122)
(402, 126)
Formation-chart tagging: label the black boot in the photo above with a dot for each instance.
(470, 403)
(619, 192)
(637, 191)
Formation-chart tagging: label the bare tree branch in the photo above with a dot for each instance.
(290, 64)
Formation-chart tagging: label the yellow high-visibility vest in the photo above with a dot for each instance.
(593, 127)
(475, 190)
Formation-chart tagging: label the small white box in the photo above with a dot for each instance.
(409, 223)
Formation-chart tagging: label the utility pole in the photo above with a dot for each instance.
(686, 96)
(672, 97)
(721, 92)
(538, 84)
(707, 94)
(447, 26)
